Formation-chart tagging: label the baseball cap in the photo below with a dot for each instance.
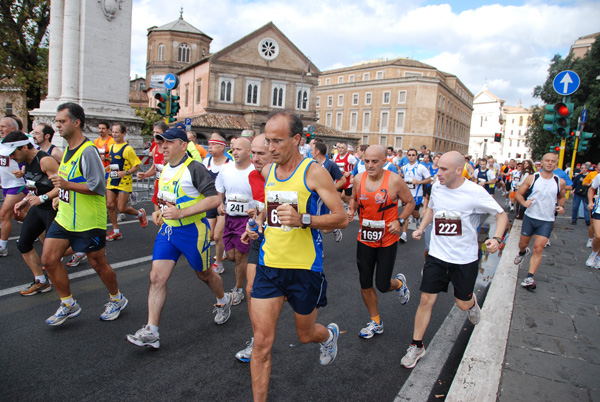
(180, 125)
(247, 133)
(172, 134)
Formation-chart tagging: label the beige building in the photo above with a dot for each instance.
(514, 142)
(13, 101)
(401, 103)
(583, 45)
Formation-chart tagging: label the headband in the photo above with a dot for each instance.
(217, 142)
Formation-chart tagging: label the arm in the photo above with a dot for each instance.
(562, 199)
(425, 221)
(401, 192)
(340, 183)
(50, 167)
(352, 204)
(590, 195)
(501, 222)
(206, 204)
(57, 154)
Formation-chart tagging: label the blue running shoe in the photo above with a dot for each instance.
(63, 313)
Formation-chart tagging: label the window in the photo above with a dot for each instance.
(340, 100)
(330, 100)
(226, 90)
(353, 120)
(183, 53)
(379, 75)
(366, 76)
(354, 99)
(400, 122)
(398, 142)
(318, 103)
(401, 96)
(481, 122)
(351, 78)
(141, 86)
(327, 81)
(338, 120)
(198, 91)
(278, 96)
(412, 74)
(252, 92)
(439, 100)
(187, 95)
(386, 98)
(385, 117)
(302, 96)
(518, 143)
(383, 140)
(366, 120)
(8, 108)
(340, 80)
(161, 52)
(328, 119)
(368, 98)
(365, 140)
(510, 143)
(519, 133)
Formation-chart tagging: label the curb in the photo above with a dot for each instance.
(479, 374)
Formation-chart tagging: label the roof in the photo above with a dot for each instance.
(516, 109)
(179, 25)
(400, 61)
(330, 132)
(223, 121)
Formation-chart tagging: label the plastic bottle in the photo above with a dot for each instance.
(253, 225)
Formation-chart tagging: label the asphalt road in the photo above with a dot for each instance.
(89, 359)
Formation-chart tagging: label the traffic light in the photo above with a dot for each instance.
(310, 133)
(174, 108)
(550, 119)
(571, 140)
(162, 103)
(498, 137)
(584, 141)
(563, 115)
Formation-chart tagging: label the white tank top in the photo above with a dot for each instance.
(544, 194)
(7, 179)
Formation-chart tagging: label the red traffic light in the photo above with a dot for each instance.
(160, 97)
(562, 110)
(557, 148)
(572, 133)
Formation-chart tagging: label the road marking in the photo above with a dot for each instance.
(81, 274)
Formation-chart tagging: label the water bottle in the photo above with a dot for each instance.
(253, 225)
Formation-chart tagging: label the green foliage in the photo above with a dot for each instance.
(150, 117)
(588, 95)
(24, 51)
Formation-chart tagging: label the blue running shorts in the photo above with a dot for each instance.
(193, 241)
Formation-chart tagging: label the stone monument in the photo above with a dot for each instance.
(89, 64)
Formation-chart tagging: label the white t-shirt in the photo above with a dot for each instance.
(212, 166)
(235, 185)
(415, 172)
(7, 179)
(465, 204)
(595, 185)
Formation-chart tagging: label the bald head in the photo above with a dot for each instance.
(453, 159)
(451, 165)
(374, 159)
(376, 151)
(241, 151)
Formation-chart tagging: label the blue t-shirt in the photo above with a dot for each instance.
(333, 169)
(403, 161)
(387, 166)
(563, 175)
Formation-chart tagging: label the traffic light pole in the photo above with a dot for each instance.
(563, 145)
(168, 107)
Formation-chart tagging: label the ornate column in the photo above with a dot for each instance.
(57, 9)
(70, 53)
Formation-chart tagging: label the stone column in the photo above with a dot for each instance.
(70, 53)
(57, 9)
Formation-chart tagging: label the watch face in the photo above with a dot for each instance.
(305, 219)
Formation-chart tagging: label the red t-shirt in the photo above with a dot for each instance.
(257, 183)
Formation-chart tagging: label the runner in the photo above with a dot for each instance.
(290, 262)
(42, 135)
(81, 219)
(546, 197)
(186, 193)
(346, 163)
(38, 166)
(454, 209)
(375, 195)
(484, 176)
(158, 161)
(593, 260)
(103, 142)
(416, 176)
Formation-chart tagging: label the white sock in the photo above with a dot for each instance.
(41, 278)
(224, 300)
(153, 329)
(3, 243)
(139, 214)
(116, 230)
(69, 301)
(330, 336)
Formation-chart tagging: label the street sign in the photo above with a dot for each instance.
(583, 115)
(158, 78)
(171, 81)
(156, 85)
(188, 124)
(566, 82)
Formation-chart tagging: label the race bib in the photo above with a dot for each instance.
(30, 184)
(341, 166)
(159, 168)
(64, 195)
(114, 171)
(275, 199)
(165, 199)
(237, 204)
(4, 161)
(372, 231)
(448, 223)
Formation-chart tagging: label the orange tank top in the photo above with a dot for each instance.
(376, 211)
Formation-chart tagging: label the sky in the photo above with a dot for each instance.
(507, 45)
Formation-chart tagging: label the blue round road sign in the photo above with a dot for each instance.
(566, 82)
(171, 81)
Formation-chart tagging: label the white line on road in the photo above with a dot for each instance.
(81, 274)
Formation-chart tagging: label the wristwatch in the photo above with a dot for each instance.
(43, 198)
(498, 239)
(306, 220)
(401, 221)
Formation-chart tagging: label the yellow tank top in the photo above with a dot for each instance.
(465, 172)
(297, 248)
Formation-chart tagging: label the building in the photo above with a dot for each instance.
(487, 121)
(514, 142)
(13, 100)
(401, 103)
(583, 45)
(138, 96)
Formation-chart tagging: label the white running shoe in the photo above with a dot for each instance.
(591, 259)
(403, 238)
(528, 283)
(329, 349)
(238, 295)
(519, 258)
(338, 235)
(589, 243)
(474, 313)
(412, 356)
(144, 337)
(371, 330)
(114, 308)
(223, 311)
(244, 355)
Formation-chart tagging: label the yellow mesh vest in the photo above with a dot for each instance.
(183, 200)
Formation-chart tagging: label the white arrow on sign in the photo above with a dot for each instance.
(171, 81)
(566, 81)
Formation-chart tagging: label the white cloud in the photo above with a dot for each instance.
(509, 47)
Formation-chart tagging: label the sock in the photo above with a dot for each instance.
(153, 329)
(3, 243)
(223, 301)
(116, 297)
(400, 283)
(522, 252)
(41, 279)
(529, 275)
(330, 337)
(69, 301)
(116, 230)
(377, 319)
(418, 344)
(139, 214)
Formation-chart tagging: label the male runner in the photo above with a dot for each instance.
(158, 161)
(236, 199)
(13, 187)
(593, 260)
(186, 193)
(38, 166)
(81, 219)
(547, 196)
(346, 163)
(375, 195)
(103, 142)
(42, 135)
(359, 167)
(453, 251)
(416, 177)
(484, 176)
(123, 163)
(290, 262)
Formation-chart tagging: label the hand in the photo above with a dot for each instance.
(394, 227)
(121, 174)
(172, 213)
(157, 218)
(141, 175)
(19, 206)
(221, 209)
(528, 202)
(252, 212)
(590, 206)
(55, 202)
(33, 200)
(350, 215)
(58, 181)
(492, 245)
(17, 173)
(560, 209)
(288, 216)
(417, 234)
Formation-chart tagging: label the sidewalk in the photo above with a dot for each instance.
(542, 344)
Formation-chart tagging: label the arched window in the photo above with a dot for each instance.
(183, 53)
(161, 52)
(226, 90)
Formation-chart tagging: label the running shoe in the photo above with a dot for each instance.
(36, 287)
(76, 259)
(403, 237)
(114, 236)
(244, 355)
(371, 330)
(528, 283)
(3, 251)
(403, 292)
(519, 258)
(329, 349)
(548, 244)
(223, 311)
(589, 243)
(113, 309)
(238, 295)
(338, 235)
(474, 313)
(218, 268)
(412, 356)
(591, 260)
(63, 313)
(597, 263)
(120, 217)
(143, 220)
(144, 337)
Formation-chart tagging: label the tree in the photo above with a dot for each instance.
(24, 52)
(150, 117)
(588, 95)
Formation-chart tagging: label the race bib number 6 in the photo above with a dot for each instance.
(448, 223)
(275, 199)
